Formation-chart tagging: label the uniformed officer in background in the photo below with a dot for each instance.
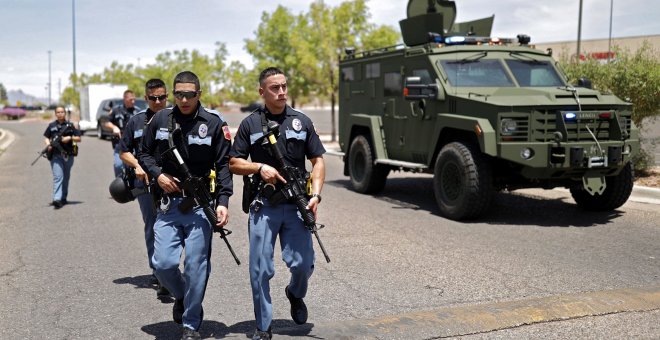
(118, 118)
(156, 97)
(61, 158)
(204, 143)
(268, 219)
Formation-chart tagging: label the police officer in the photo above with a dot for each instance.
(61, 158)
(204, 142)
(267, 218)
(118, 118)
(156, 97)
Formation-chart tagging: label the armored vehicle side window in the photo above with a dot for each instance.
(484, 73)
(424, 76)
(534, 73)
(373, 70)
(392, 85)
(347, 74)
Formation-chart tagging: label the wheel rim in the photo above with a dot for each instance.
(451, 181)
(359, 165)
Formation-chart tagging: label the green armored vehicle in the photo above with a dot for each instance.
(481, 114)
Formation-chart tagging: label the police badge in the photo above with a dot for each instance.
(297, 124)
(203, 130)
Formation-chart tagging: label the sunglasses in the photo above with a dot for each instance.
(155, 98)
(185, 94)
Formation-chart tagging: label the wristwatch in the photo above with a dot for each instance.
(317, 196)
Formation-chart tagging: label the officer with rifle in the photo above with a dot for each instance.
(273, 195)
(60, 148)
(156, 97)
(118, 118)
(185, 150)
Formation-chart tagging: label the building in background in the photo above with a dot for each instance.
(598, 48)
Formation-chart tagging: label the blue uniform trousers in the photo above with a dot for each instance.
(61, 168)
(118, 165)
(149, 218)
(173, 232)
(297, 253)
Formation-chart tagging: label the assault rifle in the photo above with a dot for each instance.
(200, 195)
(294, 188)
(55, 143)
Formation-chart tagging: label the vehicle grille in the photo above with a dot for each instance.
(540, 126)
(545, 125)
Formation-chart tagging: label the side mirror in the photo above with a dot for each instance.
(584, 82)
(414, 89)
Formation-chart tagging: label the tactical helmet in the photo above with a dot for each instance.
(120, 190)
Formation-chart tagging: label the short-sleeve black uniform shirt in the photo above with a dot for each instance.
(204, 144)
(297, 140)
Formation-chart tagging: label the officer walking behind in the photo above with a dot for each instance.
(118, 118)
(156, 97)
(204, 142)
(61, 160)
(269, 214)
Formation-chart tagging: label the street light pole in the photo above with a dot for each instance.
(609, 41)
(50, 84)
(73, 18)
(579, 37)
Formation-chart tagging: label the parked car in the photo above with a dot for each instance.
(104, 110)
(12, 112)
(250, 107)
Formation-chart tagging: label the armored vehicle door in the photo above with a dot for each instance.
(421, 112)
(395, 117)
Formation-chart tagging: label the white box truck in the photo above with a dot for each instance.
(91, 97)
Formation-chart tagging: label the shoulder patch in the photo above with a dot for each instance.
(215, 113)
(226, 132)
(296, 110)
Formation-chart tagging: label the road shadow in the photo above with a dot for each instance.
(511, 208)
(211, 329)
(139, 282)
(50, 204)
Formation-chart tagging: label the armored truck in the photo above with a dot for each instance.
(482, 114)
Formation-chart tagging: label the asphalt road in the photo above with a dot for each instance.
(534, 267)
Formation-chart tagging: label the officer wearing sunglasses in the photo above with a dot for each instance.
(204, 142)
(156, 96)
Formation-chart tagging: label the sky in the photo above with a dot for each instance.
(130, 31)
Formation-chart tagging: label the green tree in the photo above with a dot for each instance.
(331, 31)
(167, 65)
(3, 94)
(275, 44)
(633, 77)
(240, 84)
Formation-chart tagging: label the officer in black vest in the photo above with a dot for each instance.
(203, 142)
(118, 118)
(156, 97)
(269, 215)
(61, 158)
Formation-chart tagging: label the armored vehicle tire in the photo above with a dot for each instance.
(366, 177)
(617, 190)
(462, 181)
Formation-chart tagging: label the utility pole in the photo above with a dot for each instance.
(609, 41)
(579, 37)
(50, 84)
(73, 18)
